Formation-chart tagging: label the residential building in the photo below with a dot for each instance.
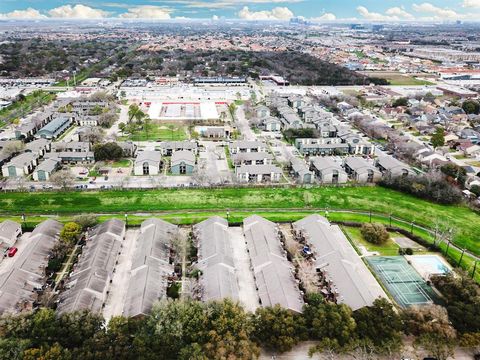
(74, 157)
(215, 260)
(152, 265)
(389, 166)
(361, 170)
(148, 163)
(10, 231)
(252, 158)
(328, 170)
(273, 273)
(258, 173)
(89, 282)
(244, 146)
(301, 172)
(19, 286)
(54, 128)
(337, 262)
(169, 147)
(46, 168)
(38, 146)
(182, 162)
(72, 146)
(20, 165)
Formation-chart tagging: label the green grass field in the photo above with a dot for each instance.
(376, 199)
(123, 163)
(390, 248)
(158, 132)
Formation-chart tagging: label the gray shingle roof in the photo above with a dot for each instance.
(27, 273)
(273, 273)
(334, 254)
(87, 284)
(150, 267)
(219, 280)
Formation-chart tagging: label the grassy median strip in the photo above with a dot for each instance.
(375, 199)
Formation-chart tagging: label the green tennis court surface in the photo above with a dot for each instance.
(401, 280)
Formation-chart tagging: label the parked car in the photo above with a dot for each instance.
(12, 251)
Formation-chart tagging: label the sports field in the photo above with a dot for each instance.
(401, 280)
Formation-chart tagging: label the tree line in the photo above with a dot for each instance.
(187, 329)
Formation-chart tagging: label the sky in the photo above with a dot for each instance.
(317, 10)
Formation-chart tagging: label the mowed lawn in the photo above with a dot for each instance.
(159, 132)
(465, 222)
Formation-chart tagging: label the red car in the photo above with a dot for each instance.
(12, 251)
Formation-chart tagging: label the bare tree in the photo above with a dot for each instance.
(12, 147)
(63, 179)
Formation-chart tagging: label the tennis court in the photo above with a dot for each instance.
(401, 280)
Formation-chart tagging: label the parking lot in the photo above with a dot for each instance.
(119, 286)
(6, 263)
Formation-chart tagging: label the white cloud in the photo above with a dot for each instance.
(278, 13)
(471, 4)
(77, 12)
(325, 17)
(399, 13)
(147, 12)
(392, 14)
(437, 12)
(23, 14)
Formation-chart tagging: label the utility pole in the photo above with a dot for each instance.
(461, 257)
(474, 269)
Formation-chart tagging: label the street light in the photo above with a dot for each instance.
(23, 219)
(411, 227)
(126, 220)
(228, 214)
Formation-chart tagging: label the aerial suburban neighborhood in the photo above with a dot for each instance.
(268, 186)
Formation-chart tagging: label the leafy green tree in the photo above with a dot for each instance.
(54, 352)
(277, 328)
(380, 324)
(228, 332)
(172, 325)
(108, 151)
(438, 138)
(400, 102)
(13, 349)
(462, 295)
(329, 320)
(86, 220)
(74, 328)
(431, 327)
(471, 107)
(374, 233)
(70, 232)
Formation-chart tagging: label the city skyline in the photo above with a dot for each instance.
(281, 10)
